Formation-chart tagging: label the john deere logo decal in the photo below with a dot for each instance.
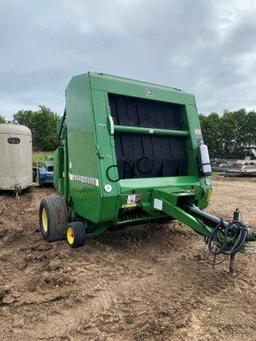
(84, 179)
(148, 91)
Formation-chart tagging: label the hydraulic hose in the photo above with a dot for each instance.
(227, 238)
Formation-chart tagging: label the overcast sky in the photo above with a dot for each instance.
(205, 47)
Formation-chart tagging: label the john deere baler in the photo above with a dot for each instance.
(131, 152)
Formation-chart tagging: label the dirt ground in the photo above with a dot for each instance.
(144, 283)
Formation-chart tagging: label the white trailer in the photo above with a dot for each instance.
(15, 157)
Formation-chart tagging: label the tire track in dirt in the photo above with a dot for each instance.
(96, 304)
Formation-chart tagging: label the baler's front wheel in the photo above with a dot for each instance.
(53, 218)
(76, 234)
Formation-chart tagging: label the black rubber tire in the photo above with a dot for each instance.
(79, 234)
(57, 218)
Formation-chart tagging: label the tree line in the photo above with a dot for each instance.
(226, 135)
(230, 134)
(43, 125)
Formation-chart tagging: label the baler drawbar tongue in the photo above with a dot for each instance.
(222, 237)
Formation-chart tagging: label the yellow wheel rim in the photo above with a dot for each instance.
(70, 235)
(44, 220)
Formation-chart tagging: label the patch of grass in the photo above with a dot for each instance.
(40, 156)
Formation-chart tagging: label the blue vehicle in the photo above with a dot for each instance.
(43, 172)
(45, 176)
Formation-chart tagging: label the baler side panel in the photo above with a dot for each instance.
(106, 157)
(84, 190)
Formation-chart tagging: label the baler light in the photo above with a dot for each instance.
(205, 165)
